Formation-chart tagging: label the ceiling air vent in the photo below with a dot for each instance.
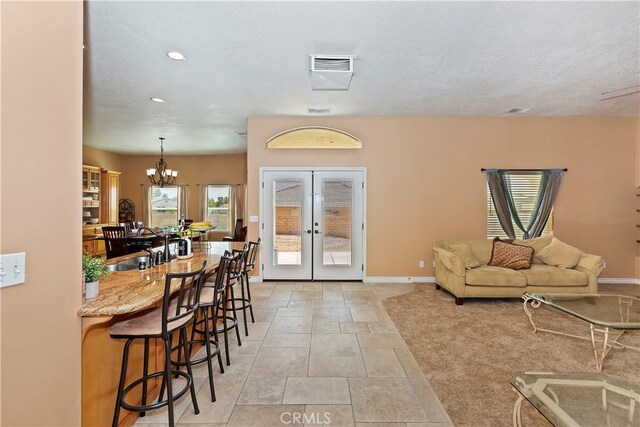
(331, 72)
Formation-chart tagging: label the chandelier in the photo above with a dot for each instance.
(161, 175)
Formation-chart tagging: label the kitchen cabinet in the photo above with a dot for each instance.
(90, 193)
(92, 245)
(87, 247)
(110, 196)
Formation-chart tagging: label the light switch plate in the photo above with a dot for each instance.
(12, 269)
(253, 218)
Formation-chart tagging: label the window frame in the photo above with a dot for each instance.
(492, 222)
(229, 228)
(152, 223)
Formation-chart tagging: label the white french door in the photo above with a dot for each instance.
(313, 224)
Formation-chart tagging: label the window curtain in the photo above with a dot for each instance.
(498, 195)
(506, 210)
(204, 211)
(237, 203)
(146, 205)
(546, 198)
(183, 202)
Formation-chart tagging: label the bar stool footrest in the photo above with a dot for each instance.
(246, 303)
(157, 405)
(229, 323)
(214, 352)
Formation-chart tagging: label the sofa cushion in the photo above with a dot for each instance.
(481, 249)
(508, 255)
(463, 252)
(547, 275)
(560, 254)
(537, 244)
(495, 276)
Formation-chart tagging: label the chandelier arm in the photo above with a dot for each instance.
(161, 168)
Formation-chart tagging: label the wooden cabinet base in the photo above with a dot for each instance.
(101, 363)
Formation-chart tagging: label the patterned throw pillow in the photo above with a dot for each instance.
(508, 255)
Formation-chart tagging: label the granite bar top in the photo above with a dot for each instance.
(130, 291)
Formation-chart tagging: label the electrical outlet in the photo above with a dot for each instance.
(12, 269)
(421, 264)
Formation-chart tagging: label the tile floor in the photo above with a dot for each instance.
(319, 354)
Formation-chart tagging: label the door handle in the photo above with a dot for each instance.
(317, 232)
(308, 231)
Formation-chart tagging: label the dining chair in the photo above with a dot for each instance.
(115, 241)
(237, 233)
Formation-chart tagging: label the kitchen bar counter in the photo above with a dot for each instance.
(130, 291)
(121, 295)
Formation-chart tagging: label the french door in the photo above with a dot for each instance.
(313, 224)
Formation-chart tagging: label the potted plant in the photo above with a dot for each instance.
(93, 269)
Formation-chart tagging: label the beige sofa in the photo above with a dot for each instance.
(486, 281)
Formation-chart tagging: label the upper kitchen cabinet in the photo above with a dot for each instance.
(110, 196)
(90, 179)
(90, 194)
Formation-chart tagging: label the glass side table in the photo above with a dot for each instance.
(587, 400)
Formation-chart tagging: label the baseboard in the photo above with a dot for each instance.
(399, 279)
(432, 279)
(621, 280)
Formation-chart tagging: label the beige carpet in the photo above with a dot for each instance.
(469, 353)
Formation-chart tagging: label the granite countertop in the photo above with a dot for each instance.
(131, 291)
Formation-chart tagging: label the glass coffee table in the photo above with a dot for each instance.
(565, 399)
(603, 312)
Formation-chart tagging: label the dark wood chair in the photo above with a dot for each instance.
(238, 235)
(115, 241)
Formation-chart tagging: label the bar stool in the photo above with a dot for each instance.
(243, 277)
(210, 293)
(250, 265)
(174, 316)
(229, 321)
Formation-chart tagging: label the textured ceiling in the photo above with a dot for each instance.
(414, 58)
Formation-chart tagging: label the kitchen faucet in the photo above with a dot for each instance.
(165, 236)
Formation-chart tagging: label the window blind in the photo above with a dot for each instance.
(525, 190)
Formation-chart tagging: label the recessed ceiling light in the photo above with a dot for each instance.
(157, 99)
(323, 110)
(519, 110)
(176, 55)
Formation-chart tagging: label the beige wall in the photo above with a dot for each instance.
(430, 168)
(40, 188)
(193, 170)
(637, 233)
(103, 159)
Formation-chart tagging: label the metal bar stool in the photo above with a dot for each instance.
(210, 293)
(174, 316)
(243, 279)
(228, 320)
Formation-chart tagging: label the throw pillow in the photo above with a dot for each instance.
(537, 244)
(560, 254)
(508, 255)
(464, 252)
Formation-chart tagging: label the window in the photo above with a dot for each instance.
(165, 206)
(218, 207)
(525, 190)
